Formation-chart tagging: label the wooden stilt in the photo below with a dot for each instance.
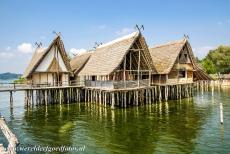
(160, 97)
(11, 99)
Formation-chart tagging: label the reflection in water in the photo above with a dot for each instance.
(187, 126)
(143, 129)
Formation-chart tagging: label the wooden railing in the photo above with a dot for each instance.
(117, 84)
(12, 139)
(87, 83)
(29, 85)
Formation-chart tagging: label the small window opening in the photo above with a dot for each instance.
(182, 74)
(93, 78)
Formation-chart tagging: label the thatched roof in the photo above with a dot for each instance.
(199, 72)
(79, 61)
(164, 57)
(107, 57)
(40, 54)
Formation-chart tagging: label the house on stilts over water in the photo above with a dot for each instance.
(49, 66)
(176, 64)
(122, 73)
(121, 63)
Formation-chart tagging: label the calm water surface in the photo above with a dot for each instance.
(186, 126)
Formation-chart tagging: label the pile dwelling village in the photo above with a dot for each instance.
(121, 73)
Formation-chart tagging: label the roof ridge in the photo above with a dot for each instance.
(169, 43)
(84, 53)
(133, 34)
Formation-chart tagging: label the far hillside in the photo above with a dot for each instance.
(217, 61)
(6, 76)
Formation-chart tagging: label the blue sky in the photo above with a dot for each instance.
(83, 22)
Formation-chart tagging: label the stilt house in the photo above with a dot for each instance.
(124, 62)
(77, 64)
(49, 66)
(175, 64)
(224, 79)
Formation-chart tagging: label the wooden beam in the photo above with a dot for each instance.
(139, 59)
(12, 139)
(135, 50)
(130, 61)
(124, 71)
(150, 78)
(133, 70)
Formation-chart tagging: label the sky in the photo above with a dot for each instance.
(84, 22)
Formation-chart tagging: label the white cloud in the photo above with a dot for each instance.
(77, 51)
(201, 52)
(25, 48)
(6, 55)
(124, 31)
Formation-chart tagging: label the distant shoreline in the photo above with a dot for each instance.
(9, 76)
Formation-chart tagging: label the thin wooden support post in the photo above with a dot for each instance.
(100, 97)
(160, 97)
(11, 99)
(105, 98)
(125, 103)
(60, 96)
(124, 73)
(32, 95)
(113, 100)
(149, 78)
(139, 59)
(46, 97)
(166, 93)
(118, 99)
(153, 95)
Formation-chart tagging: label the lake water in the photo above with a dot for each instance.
(186, 126)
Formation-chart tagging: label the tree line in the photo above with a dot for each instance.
(217, 61)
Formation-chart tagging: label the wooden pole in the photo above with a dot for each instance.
(221, 114)
(139, 59)
(60, 96)
(212, 88)
(11, 99)
(125, 99)
(124, 67)
(113, 100)
(12, 139)
(130, 62)
(160, 97)
(149, 78)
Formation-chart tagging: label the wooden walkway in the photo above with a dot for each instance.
(11, 138)
(9, 87)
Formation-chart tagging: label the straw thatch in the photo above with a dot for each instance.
(79, 61)
(40, 54)
(164, 57)
(107, 57)
(199, 72)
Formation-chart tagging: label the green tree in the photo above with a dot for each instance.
(208, 66)
(220, 58)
